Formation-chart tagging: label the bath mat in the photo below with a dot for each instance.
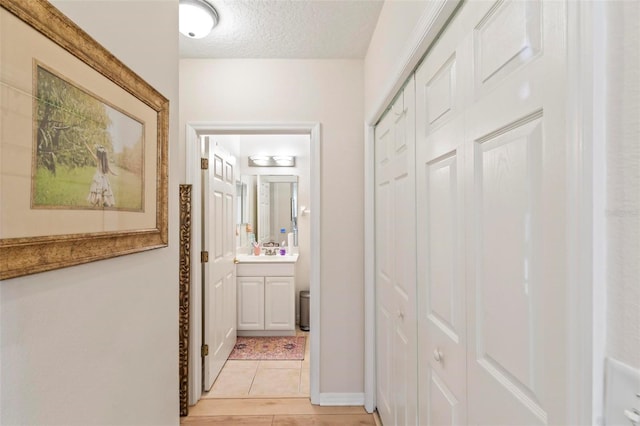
(265, 348)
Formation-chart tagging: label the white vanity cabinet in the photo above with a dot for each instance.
(266, 296)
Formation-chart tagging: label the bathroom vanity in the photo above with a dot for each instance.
(266, 295)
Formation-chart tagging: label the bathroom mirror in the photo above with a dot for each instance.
(266, 205)
(277, 201)
(242, 198)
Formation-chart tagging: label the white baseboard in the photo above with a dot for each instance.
(335, 399)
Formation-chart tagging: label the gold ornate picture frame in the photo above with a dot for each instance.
(83, 147)
(184, 298)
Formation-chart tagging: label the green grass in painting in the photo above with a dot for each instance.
(127, 189)
(70, 188)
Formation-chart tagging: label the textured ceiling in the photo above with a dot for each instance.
(320, 29)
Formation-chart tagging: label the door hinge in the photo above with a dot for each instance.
(204, 256)
(204, 163)
(204, 351)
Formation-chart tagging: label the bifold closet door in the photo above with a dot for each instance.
(517, 235)
(491, 218)
(396, 363)
(442, 92)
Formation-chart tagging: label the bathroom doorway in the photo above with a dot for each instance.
(279, 375)
(272, 182)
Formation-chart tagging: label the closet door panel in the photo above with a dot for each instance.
(508, 36)
(440, 94)
(507, 183)
(384, 273)
(442, 281)
(515, 146)
(443, 84)
(395, 262)
(443, 407)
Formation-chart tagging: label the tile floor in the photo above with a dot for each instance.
(263, 379)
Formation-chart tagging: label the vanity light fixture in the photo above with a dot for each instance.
(284, 160)
(197, 18)
(272, 161)
(259, 161)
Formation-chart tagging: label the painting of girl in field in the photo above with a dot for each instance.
(87, 154)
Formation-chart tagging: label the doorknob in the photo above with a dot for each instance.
(437, 355)
(401, 315)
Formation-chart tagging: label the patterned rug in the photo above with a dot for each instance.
(289, 347)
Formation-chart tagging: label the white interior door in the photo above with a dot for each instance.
(442, 87)
(219, 288)
(516, 190)
(396, 363)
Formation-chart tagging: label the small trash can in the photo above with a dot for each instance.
(304, 310)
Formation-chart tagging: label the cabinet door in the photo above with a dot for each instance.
(279, 303)
(250, 303)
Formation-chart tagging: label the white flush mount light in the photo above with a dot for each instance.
(197, 18)
(272, 161)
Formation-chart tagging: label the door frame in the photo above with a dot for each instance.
(586, 321)
(193, 132)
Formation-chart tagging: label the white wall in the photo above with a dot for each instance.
(622, 214)
(325, 91)
(98, 343)
(397, 24)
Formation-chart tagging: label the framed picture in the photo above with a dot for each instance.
(83, 147)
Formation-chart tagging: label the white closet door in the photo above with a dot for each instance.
(516, 264)
(442, 92)
(395, 263)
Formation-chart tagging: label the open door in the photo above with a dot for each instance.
(218, 268)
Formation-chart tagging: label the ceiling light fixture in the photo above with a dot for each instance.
(197, 18)
(272, 161)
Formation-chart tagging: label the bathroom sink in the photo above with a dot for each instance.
(249, 258)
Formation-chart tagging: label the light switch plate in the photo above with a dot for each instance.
(621, 389)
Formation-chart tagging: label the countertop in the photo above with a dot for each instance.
(249, 258)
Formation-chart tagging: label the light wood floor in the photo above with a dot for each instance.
(276, 411)
(242, 396)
